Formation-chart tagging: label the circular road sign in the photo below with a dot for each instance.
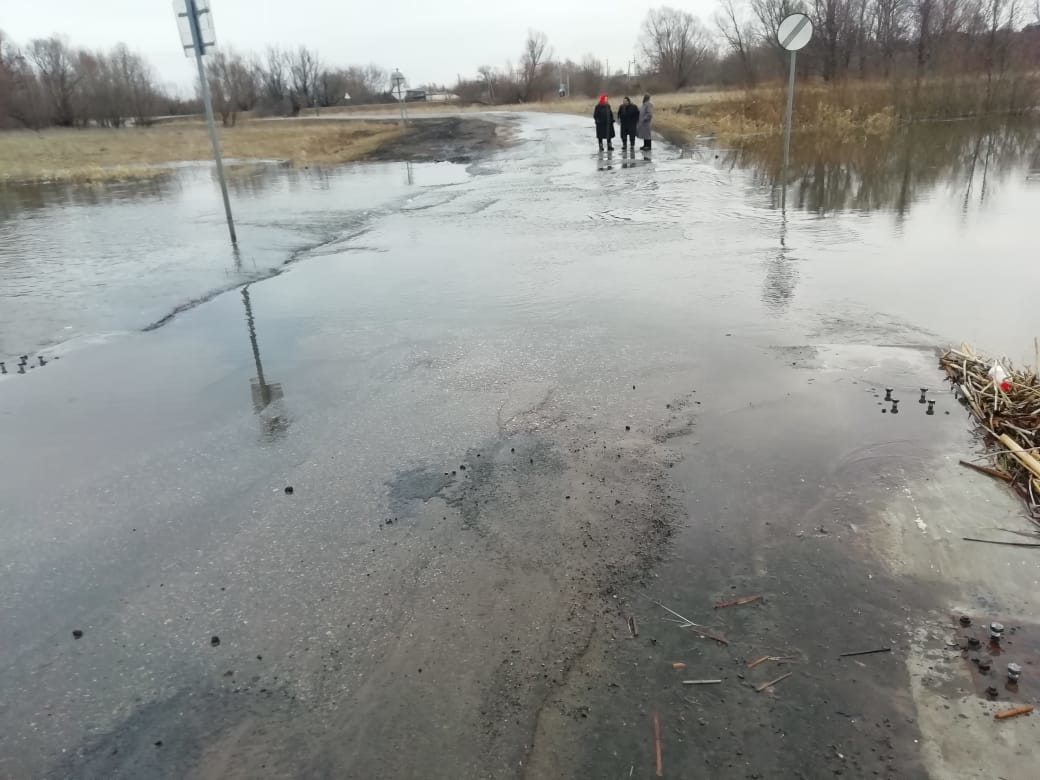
(794, 32)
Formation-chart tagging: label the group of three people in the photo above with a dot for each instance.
(635, 122)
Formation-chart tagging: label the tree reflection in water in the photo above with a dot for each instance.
(891, 173)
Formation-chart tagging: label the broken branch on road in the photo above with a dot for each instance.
(738, 602)
(995, 541)
(1013, 713)
(686, 622)
(866, 652)
(657, 745)
(720, 639)
(771, 683)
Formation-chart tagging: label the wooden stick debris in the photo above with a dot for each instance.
(657, 745)
(701, 682)
(1006, 544)
(1021, 454)
(1007, 415)
(763, 659)
(995, 473)
(771, 683)
(1013, 713)
(866, 652)
(686, 621)
(738, 602)
(721, 640)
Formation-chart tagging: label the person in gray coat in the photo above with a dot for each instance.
(646, 123)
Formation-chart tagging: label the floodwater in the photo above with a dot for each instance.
(607, 344)
(83, 262)
(887, 218)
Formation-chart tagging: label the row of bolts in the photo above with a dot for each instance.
(895, 401)
(996, 634)
(22, 362)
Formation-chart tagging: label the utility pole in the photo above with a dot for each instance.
(195, 22)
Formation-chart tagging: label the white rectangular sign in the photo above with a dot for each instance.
(209, 34)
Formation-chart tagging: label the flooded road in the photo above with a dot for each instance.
(515, 401)
(80, 263)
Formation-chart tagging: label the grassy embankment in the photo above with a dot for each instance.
(839, 112)
(100, 155)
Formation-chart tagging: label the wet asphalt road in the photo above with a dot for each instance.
(557, 323)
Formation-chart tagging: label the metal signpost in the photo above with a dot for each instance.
(793, 34)
(195, 24)
(397, 81)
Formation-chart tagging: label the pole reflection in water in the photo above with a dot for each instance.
(268, 398)
(781, 275)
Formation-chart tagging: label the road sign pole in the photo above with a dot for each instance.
(196, 37)
(793, 33)
(787, 129)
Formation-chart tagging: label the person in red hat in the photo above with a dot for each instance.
(604, 116)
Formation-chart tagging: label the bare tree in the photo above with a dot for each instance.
(273, 80)
(134, 78)
(232, 84)
(769, 14)
(533, 65)
(55, 68)
(330, 87)
(675, 45)
(593, 74)
(923, 12)
(738, 33)
(303, 71)
(888, 20)
(21, 98)
(833, 36)
(487, 75)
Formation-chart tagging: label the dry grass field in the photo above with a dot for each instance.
(95, 154)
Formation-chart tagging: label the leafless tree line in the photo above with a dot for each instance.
(50, 82)
(852, 38)
(286, 81)
(883, 38)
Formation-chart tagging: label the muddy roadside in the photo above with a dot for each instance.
(841, 525)
(457, 139)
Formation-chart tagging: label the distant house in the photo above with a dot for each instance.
(415, 96)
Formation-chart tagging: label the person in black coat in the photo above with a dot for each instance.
(604, 116)
(628, 118)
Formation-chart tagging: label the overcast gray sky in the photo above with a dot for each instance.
(430, 41)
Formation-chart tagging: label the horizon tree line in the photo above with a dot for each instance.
(50, 82)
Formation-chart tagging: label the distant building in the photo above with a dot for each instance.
(415, 96)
